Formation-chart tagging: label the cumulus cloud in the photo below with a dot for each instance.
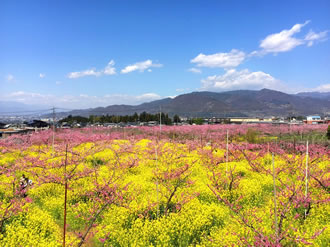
(108, 70)
(41, 75)
(10, 77)
(323, 88)
(195, 70)
(140, 66)
(80, 101)
(282, 41)
(220, 60)
(285, 40)
(243, 79)
(311, 37)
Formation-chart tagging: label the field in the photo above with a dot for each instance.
(224, 185)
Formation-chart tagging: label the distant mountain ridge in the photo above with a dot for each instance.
(12, 107)
(318, 95)
(239, 103)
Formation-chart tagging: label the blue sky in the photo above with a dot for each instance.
(80, 54)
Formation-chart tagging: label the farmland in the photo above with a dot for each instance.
(223, 185)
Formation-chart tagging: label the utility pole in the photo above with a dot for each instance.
(157, 186)
(306, 176)
(53, 128)
(160, 119)
(275, 204)
(227, 152)
(65, 193)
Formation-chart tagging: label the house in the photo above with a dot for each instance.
(152, 123)
(37, 124)
(313, 119)
(8, 132)
(240, 120)
(327, 120)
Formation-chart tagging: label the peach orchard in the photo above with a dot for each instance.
(219, 185)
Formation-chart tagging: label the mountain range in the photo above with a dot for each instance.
(18, 108)
(239, 103)
(318, 95)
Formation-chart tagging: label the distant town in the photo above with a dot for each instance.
(22, 125)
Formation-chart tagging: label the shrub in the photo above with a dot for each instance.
(252, 136)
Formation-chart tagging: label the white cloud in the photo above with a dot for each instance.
(243, 79)
(10, 77)
(171, 96)
(311, 37)
(26, 97)
(41, 75)
(195, 70)
(220, 60)
(148, 97)
(89, 72)
(140, 66)
(282, 41)
(285, 41)
(322, 88)
(108, 70)
(80, 101)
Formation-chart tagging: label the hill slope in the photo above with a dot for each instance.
(260, 103)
